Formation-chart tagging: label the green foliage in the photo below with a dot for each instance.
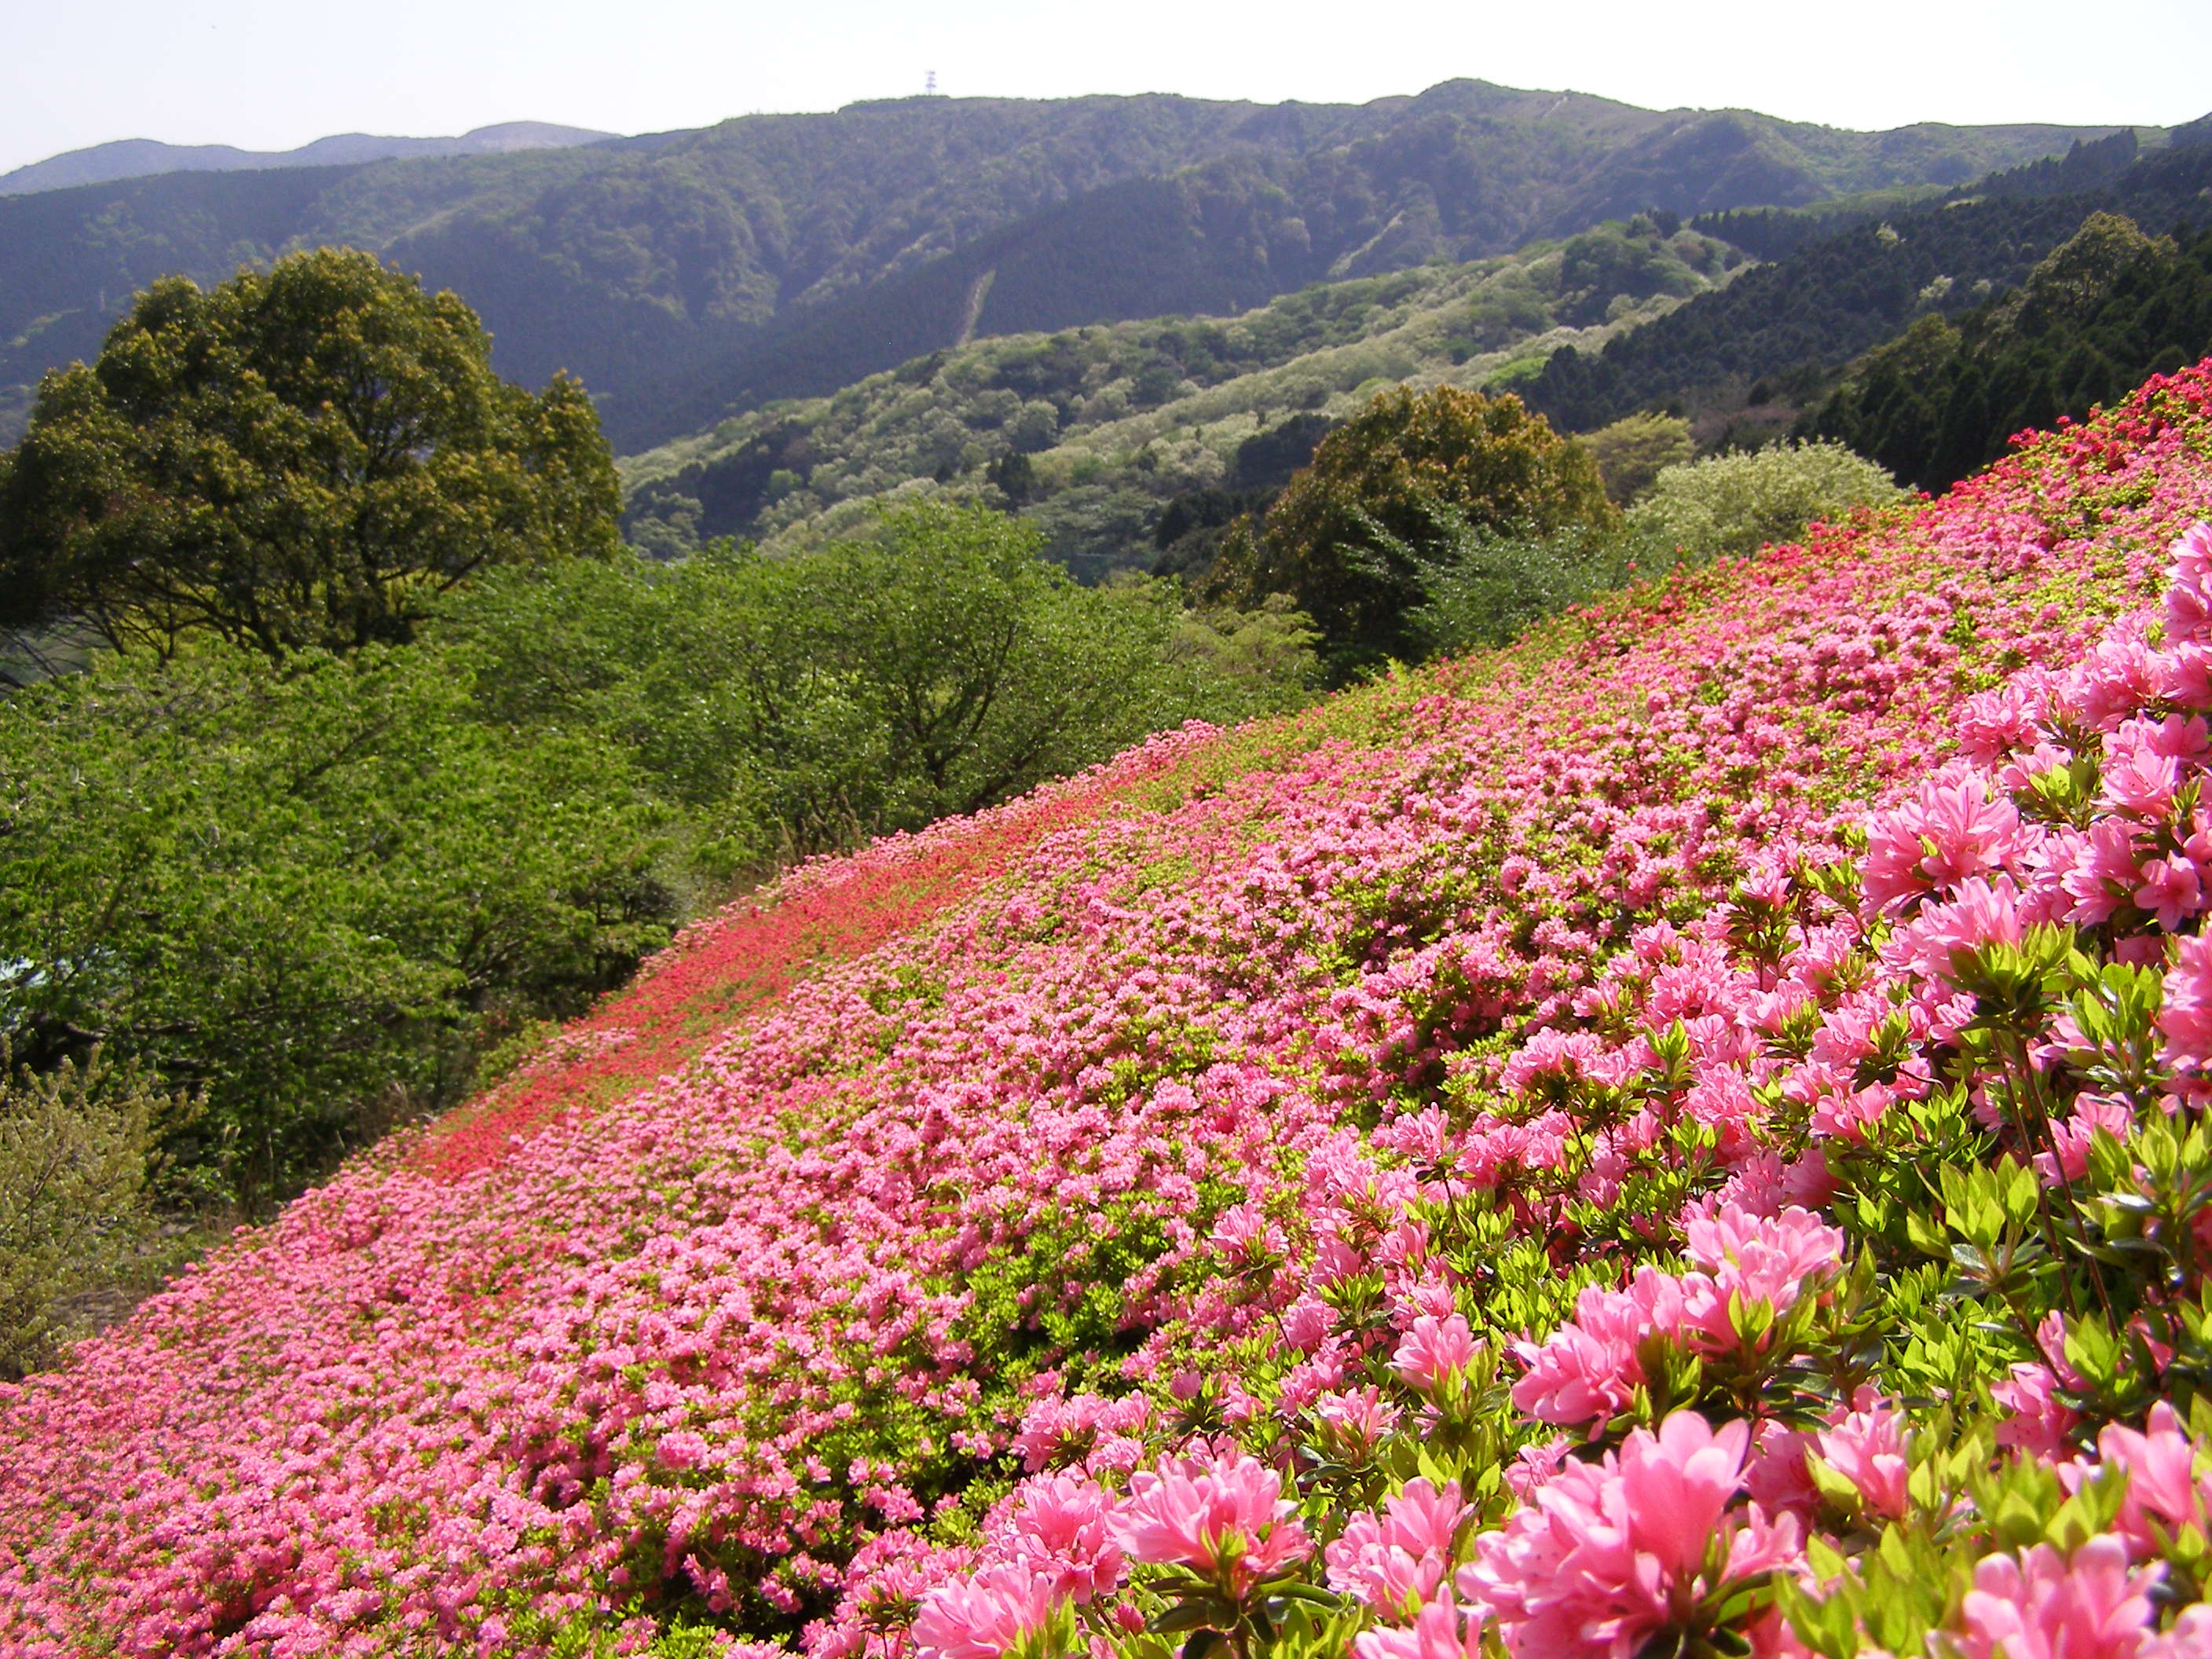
(1107, 438)
(302, 460)
(980, 667)
(1734, 504)
(690, 274)
(2106, 309)
(1863, 280)
(1611, 263)
(76, 1147)
(1263, 661)
(1483, 587)
(783, 707)
(307, 893)
(1348, 538)
(1632, 452)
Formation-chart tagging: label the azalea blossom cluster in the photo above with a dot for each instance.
(1494, 1157)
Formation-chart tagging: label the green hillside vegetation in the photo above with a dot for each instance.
(1743, 365)
(1118, 441)
(2107, 309)
(691, 275)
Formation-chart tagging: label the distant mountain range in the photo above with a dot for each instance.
(136, 158)
(2005, 304)
(690, 276)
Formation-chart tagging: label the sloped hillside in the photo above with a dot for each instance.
(1492, 1153)
(1831, 297)
(1090, 432)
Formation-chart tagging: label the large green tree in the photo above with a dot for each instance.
(301, 458)
(1406, 475)
(788, 705)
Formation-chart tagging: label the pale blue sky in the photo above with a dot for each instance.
(272, 74)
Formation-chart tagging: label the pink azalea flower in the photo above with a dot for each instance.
(2036, 1422)
(2118, 679)
(1536, 1463)
(2073, 1134)
(1061, 1525)
(1951, 830)
(995, 1611)
(1306, 1322)
(2137, 777)
(1436, 1632)
(1866, 1446)
(1221, 1514)
(2162, 1485)
(2189, 588)
(2170, 890)
(1395, 1561)
(2100, 869)
(1353, 1422)
(1435, 1352)
(1607, 1555)
(1677, 1484)
(1588, 1370)
(2185, 1015)
(1983, 913)
(2044, 1606)
(1774, 1259)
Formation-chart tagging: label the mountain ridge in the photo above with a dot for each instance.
(689, 276)
(138, 158)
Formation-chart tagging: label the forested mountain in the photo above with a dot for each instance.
(1110, 439)
(689, 276)
(2108, 308)
(1830, 294)
(138, 158)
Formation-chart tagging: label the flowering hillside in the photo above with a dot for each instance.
(1684, 1138)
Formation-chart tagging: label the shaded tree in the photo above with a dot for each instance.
(1632, 452)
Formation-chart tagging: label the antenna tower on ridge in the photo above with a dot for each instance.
(929, 85)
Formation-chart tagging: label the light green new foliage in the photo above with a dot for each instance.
(75, 1147)
(1635, 450)
(935, 663)
(305, 893)
(1737, 503)
(1264, 659)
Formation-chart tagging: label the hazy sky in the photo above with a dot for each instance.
(272, 74)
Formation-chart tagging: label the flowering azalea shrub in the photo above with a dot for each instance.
(1684, 1138)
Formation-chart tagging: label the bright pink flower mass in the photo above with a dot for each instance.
(1466, 1164)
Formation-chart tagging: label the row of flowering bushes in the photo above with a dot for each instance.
(1684, 1138)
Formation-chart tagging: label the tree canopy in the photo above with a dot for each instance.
(306, 892)
(1736, 503)
(303, 458)
(2109, 307)
(1344, 539)
(792, 706)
